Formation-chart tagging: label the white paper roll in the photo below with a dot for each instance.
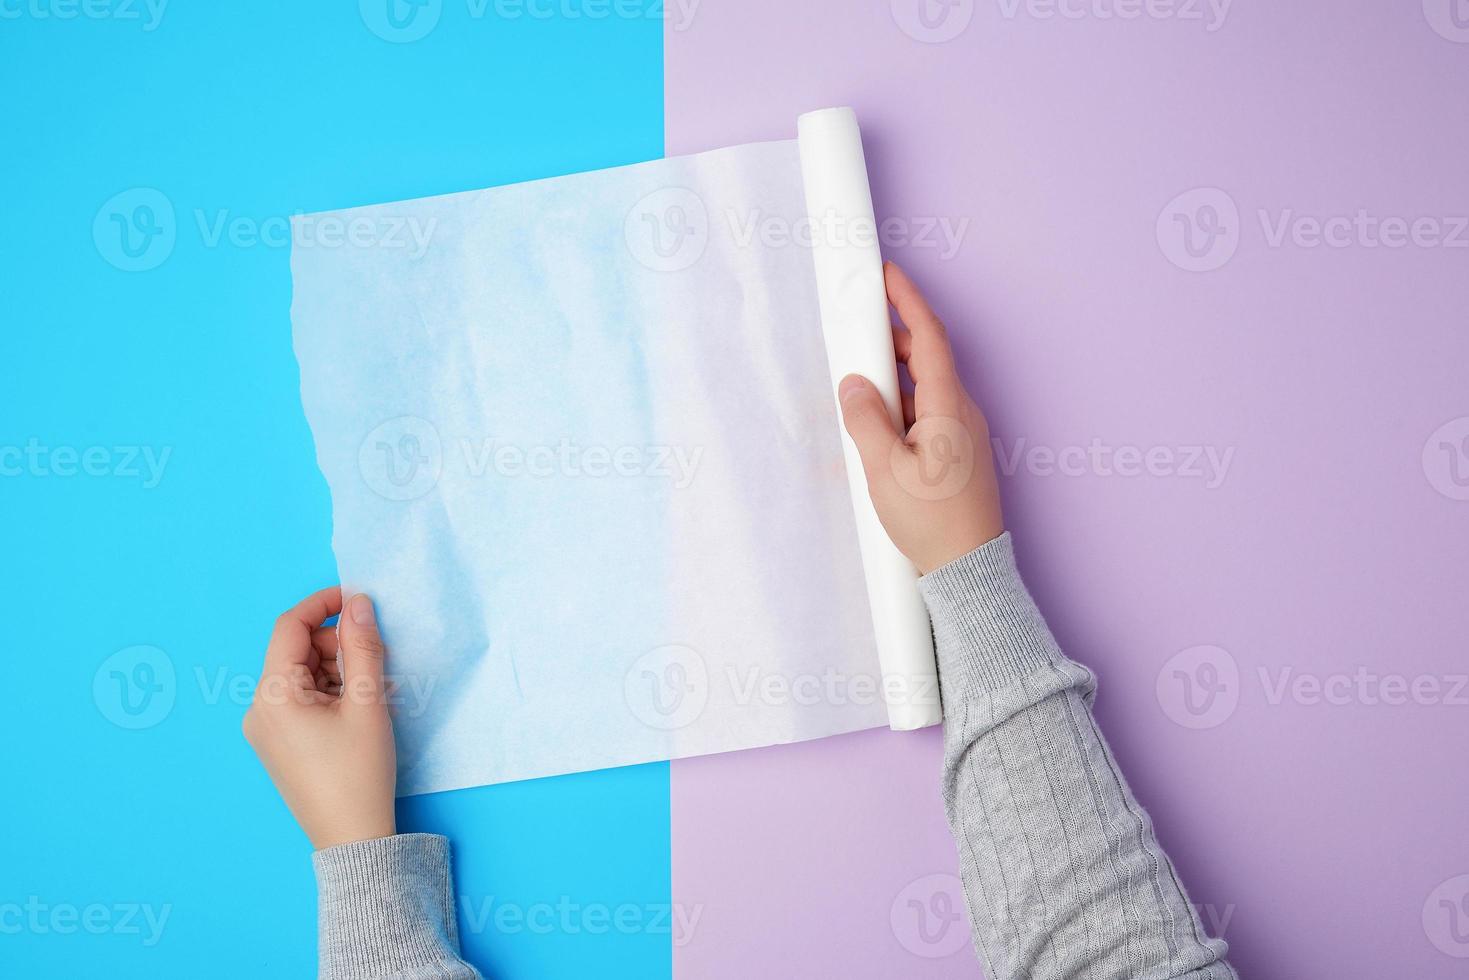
(857, 330)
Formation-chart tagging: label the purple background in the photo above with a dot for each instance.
(1314, 832)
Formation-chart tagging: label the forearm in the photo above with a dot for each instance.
(386, 910)
(1061, 869)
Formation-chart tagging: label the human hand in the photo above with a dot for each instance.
(934, 488)
(321, 726)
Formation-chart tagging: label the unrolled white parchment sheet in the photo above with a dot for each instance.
(585, 456)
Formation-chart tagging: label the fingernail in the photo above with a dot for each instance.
(362, 610)
(850, 385)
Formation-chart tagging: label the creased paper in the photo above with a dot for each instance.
(584, 455)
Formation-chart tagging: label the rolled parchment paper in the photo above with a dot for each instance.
(858, 334)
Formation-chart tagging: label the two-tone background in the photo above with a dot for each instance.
(1206, 264)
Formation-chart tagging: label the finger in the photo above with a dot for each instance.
(362, 654)
(909, 410)
(324, 640)
(930, 358)
(868, 423)
(328, 682)
(328, 670)
(295, 685)
(290, 641)
(902, 344)
(927, 336)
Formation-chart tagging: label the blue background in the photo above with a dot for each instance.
(249, 111)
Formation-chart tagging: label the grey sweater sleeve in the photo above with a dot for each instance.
(385, 911)
(1061, 871)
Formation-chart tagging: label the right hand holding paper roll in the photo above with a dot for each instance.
(934, 488)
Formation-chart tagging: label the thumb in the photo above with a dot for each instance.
(362, 652)
(869, 424)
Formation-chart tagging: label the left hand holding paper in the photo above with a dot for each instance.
(319, 721)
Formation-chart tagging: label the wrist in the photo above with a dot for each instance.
(323, 838)
(957, 543)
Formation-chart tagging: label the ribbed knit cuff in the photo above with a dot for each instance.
(386, 908)
(987, 631)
